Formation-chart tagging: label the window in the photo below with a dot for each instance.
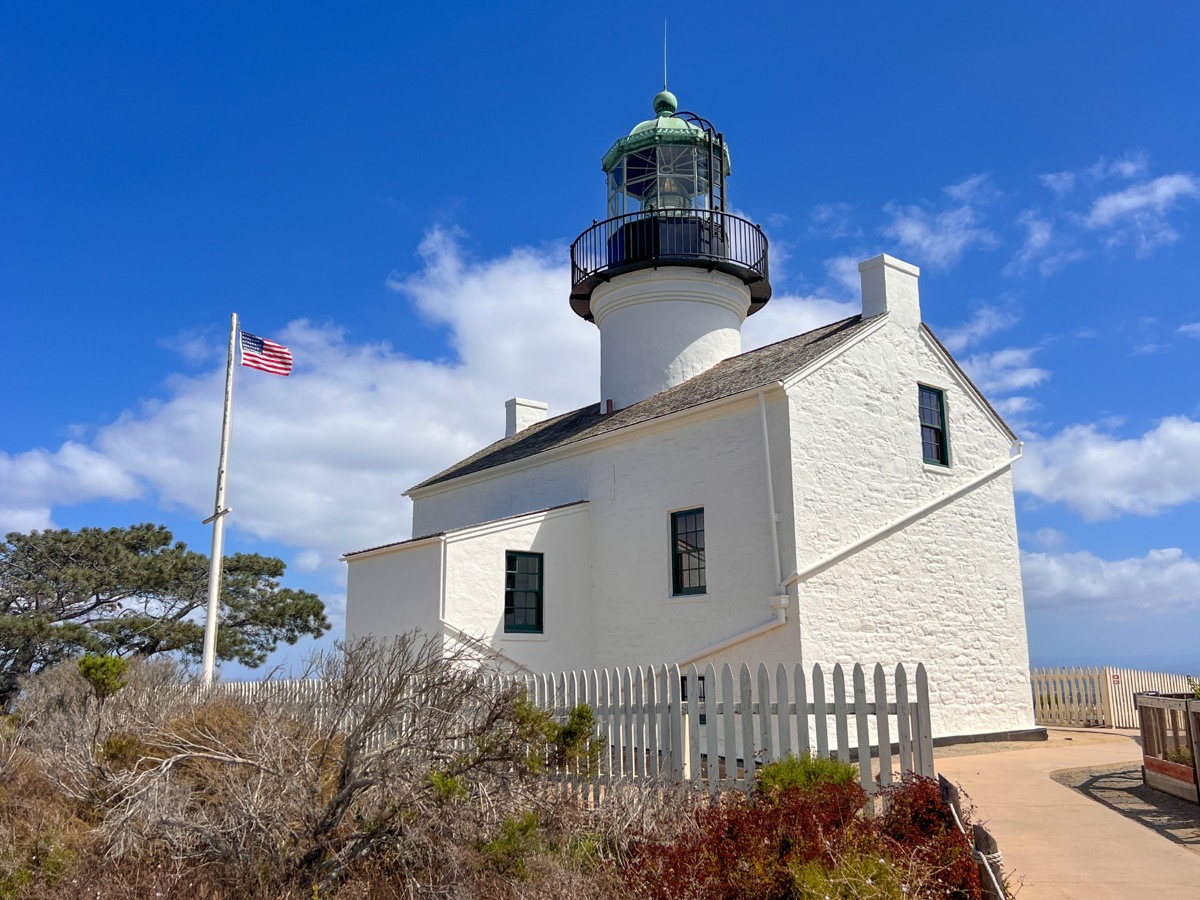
(934, 444)
(522, 591)
(687, 552)
(683, 695)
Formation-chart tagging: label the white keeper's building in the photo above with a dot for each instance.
(841, 496)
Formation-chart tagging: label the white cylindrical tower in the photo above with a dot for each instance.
(669, 276)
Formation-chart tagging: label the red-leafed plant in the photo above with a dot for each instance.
(811, 840)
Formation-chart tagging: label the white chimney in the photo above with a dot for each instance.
(890, 285)
(519, 414)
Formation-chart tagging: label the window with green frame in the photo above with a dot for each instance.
(683, 695)
(687, 552)
(522, 591)
(935, 443)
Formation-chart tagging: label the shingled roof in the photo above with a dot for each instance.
(751, 370)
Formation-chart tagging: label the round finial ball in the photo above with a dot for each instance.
(665, 103)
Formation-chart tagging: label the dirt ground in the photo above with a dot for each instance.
(1056, 737)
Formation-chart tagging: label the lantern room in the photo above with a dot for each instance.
(666, 192)
(669, 162)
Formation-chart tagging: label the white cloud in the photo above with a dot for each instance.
(1013, 409)
(1044, 244)
(25, 518)
(842, 272)
(33, 481)
(1139, 212)
(1059, 182)
(833, 220)
(1048, 539)
(1101, 476)
(1056, 262)
(196, 346)
(1161, 582)
(1134, 164)
(1191, 329)
(786, 316)
(984, 322)
(318, 460)
(939, 237)
(1004, 371)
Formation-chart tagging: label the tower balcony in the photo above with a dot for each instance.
(674, 236)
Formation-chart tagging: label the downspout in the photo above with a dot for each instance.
(904, 521)
(772, 516)
(779, 601)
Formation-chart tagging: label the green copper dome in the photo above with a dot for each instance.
(664, 128)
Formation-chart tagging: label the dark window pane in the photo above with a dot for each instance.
(933, 426)
(523, 591)
(687, 543)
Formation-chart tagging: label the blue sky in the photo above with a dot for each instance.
(390, 189)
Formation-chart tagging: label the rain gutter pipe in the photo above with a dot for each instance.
(779, 602)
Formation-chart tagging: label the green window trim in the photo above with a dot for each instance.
(523, 592)
(935, 438)
(687, 552)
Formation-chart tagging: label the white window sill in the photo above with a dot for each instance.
(523, 638)
(681, 599)
(938, 470)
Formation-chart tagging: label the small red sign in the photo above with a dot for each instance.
(1116, 678)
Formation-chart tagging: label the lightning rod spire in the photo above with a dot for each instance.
(664, 53)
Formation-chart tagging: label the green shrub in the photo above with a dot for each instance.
(1181, 755)
(517, 840)
(124, 750)
(576, 742)
(106, 674)
(12, 881)
(446, 787)
(805, 772)
(856, 876)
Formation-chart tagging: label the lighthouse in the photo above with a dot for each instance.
(669, 275)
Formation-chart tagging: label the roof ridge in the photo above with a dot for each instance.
(746, 371)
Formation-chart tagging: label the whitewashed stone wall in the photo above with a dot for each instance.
(946, 590)
(459, 578)
(633, 482)
(394, 591)
(475, 585)
(846, 460)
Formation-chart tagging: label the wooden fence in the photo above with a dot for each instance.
(1096, 696)
(984, 849)
(712, 728)
(715, 730)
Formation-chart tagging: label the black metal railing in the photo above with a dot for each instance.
(681, 237)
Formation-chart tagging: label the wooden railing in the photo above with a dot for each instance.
(1095, 696)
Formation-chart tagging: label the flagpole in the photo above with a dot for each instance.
(218, 519)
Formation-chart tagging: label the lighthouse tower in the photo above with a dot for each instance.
(669, 276)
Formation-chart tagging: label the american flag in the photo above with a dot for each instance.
(267, 356)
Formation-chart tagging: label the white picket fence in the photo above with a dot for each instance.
(714, 729)
(1095, 696)
(726, 728)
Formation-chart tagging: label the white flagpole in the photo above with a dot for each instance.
(218, 519)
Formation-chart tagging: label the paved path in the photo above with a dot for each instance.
(1060, 843)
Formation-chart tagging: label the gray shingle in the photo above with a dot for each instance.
(772, 363)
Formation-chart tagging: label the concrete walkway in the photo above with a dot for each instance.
(1058, 842)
